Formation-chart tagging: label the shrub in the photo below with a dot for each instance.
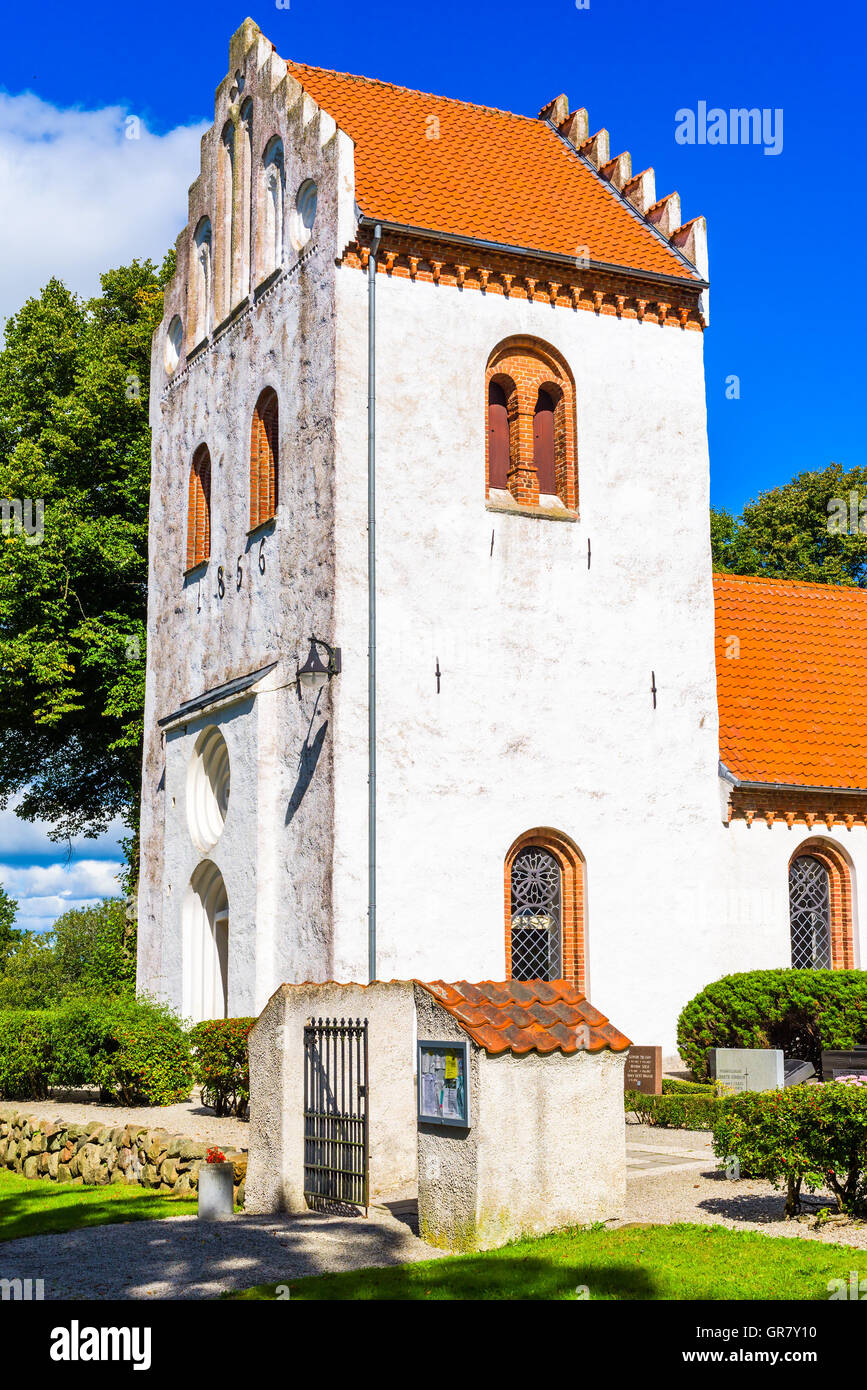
(81, 1038)
(677, 1111)
(800, 1011)
(811, 1135)
(25, 1054)
(150, 1061)
(221, 1064)
(672, 1087)
(134, 1050)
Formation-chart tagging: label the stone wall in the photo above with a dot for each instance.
(95, 1155)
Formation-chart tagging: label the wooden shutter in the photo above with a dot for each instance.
(543, 443)
(498, 437)
(263, 460)
(199, 509)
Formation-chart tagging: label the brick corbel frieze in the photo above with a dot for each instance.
(609, 292)
(818, 810)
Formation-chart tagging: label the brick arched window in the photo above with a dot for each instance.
(820, 908)
(544, 901)
(264, 461)
(199, 509)
(533, 383)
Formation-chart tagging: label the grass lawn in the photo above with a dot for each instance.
(649, 1262)
(37, 1207)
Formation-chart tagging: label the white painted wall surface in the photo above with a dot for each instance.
(754, 904)
(545, 716)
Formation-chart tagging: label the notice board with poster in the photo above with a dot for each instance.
(443, 1083)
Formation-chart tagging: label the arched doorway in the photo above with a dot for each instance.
(206, 946)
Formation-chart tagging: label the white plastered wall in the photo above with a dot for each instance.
(754, 904)
(545, 716)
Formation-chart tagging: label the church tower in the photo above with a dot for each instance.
(547, 743)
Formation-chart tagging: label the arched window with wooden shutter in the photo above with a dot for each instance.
(543, 443)
(498, 436)
(264, 459)
(531, 437)
(199, 509)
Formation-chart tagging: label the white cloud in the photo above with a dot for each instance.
(44, 891)
(28, 840)
(79, 196)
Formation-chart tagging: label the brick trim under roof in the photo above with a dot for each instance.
(529, 1016)
(443, 165)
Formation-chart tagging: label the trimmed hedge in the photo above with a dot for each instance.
(221, 1063)
(134, 1050)
(678, 1111)
(800, 1011)
(814, 1136)
(671, 1086)
(25, 1054)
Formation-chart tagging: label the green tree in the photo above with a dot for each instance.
(813, 528)
(9, 937)
(74, 381)
(89, 952)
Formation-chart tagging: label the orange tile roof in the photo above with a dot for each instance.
(529, 1016)
(791, 703)
(489, 174)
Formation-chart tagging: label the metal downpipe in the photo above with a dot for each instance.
(371, 602)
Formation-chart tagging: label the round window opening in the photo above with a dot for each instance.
(208, 788)
(304, 214)
(174, 340)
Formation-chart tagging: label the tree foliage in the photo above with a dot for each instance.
(9, 937)
(90, 952)
(813, 528)
(74, 432)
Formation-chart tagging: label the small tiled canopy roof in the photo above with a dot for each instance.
(488, 174)
(791, 692)
(527, 1016)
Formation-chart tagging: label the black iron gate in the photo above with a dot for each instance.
(335, 1113)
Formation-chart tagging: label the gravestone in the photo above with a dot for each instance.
(851, 1063)
(747, 1068)
(643, 1070)
(797, 1071)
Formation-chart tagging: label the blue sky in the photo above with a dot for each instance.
(786, 231)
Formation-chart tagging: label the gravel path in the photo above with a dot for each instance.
(184, 1258)
(703, 1194)
(189, 1118)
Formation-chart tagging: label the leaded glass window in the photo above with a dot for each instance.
(536, 916)
(810, 913)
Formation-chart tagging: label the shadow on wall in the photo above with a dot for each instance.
(306, 768)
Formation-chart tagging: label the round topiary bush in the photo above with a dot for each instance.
(800, 1011)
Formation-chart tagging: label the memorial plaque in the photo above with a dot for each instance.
(747, 1068)
(643, 1070)
(851, 1063)
(797, 1071)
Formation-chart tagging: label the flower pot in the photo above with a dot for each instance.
(216, 1191)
